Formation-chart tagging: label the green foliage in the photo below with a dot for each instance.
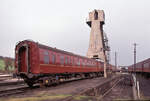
(2, 65)
(12, 67)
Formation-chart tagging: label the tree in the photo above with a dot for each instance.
(8, 62)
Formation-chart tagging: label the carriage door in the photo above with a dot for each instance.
(23, 59)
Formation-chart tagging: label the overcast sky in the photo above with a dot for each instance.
(62, 24)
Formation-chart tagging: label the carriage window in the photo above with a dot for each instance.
(70, 60)
(81, 62)
(89, 63)
(78, 62)
(146, 65)
(53, 58)
(73, 62)
(85, 63)
(61, 60)
(66, 60)
(46, 57)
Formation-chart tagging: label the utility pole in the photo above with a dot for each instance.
(135, 63)
(135, 56)
(116, 60)
(135, 80)
(105, 65)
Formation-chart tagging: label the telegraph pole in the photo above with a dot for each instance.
(135, 80)
(135, 63)
(105, 65)
(116, 60)
(135, 56)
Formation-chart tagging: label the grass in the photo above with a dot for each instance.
(46, 97)
(81, 97)
(38, 98)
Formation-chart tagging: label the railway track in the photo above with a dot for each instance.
(120, 90)
(84, 92)
(121, 82)
(11, 82)
(24, 88)
(73, 94)
(7, 92)
(5, 77)
(109, 90)
(1, 73)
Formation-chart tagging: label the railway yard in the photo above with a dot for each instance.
(40, 72)
(115, 87)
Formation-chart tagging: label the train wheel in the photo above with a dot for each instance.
(30, 84)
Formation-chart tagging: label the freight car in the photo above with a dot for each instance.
(141, 67)
(37, 63)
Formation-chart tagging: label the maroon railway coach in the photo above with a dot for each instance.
(37, 63)
(141, 67)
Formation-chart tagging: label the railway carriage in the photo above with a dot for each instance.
(141, 67)
(37, 63)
